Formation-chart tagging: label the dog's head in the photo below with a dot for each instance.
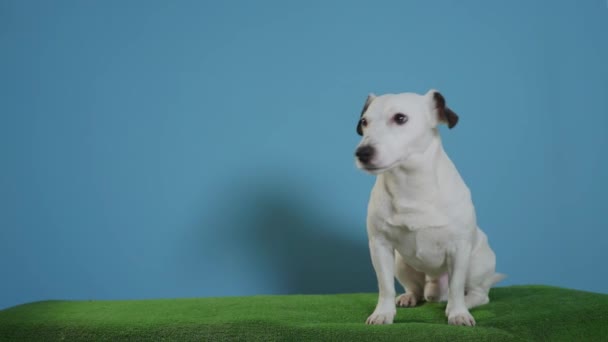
(394, 126)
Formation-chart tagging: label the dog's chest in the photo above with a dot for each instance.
(423, 249)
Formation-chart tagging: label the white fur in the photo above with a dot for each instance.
(421, 220)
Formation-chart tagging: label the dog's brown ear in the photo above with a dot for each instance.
(369, 100)
(444, 114)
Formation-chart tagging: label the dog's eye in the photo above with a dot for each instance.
(363, 122)
(400, 118)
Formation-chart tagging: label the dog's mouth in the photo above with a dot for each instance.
(376, 165)
(373, 169)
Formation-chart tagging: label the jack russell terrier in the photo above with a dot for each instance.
(421, 220)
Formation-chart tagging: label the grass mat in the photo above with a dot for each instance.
(514, 313)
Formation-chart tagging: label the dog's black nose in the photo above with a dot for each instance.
(365, 153)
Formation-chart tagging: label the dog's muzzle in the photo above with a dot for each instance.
(365, 154)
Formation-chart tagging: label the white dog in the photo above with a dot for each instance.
(420, 221)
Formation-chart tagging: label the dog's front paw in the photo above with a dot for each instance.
(378, 317)
(406, 300)
(461, 318)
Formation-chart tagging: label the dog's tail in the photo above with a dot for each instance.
(494, 279)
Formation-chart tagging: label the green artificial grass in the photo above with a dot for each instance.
(514, 313)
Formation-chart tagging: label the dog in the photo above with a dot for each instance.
(421, 222)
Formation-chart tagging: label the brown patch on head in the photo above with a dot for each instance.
(369, 100)
(445, 114)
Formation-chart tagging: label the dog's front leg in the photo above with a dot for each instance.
(458, 257)
(382, 254)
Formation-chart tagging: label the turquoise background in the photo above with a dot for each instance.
(205, 148)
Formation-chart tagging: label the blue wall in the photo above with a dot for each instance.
(204, 148)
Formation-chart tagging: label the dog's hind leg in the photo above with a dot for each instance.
(412, 280)
(482, 275)
(476, 297)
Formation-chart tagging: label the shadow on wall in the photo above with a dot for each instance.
(275, 231)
